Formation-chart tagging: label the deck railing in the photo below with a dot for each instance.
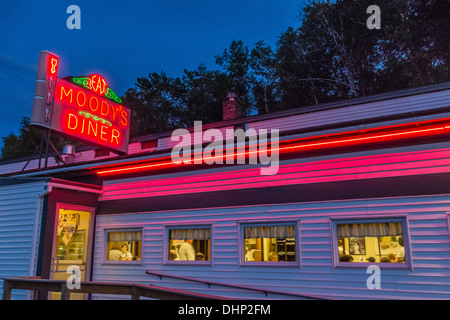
(266, 292)
(136, 291)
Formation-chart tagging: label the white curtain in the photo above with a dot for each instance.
(125, 236)
(369, 230)
(186, 234)
(278, 232)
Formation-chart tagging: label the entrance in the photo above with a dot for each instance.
(71, 245)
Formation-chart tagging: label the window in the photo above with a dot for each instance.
(123, 245)
(101, 153)
(189, 244)
(149, 144)
(371, 242)
(269, 243)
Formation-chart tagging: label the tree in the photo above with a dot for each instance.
(264, 79)
(11, 146)
(235, 61)
(333, 55)
(24, 144)
(156, 103)
(205, 91)
(29, 140)
(415, 45)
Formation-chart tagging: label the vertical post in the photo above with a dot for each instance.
(65, 292)
(135, 293)
(7, 288)
(40, 149)
(46, 148)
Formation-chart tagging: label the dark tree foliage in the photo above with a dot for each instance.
(205, 92)
(29, 140)
(333, 55)
(156, 104)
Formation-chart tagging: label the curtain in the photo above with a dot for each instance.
(125, 236)
(186, 234)
(369, 230)
(278, 232)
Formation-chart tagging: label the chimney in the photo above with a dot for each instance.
(231, 108)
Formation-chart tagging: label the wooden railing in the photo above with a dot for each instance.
(266, 292)
(134, 290)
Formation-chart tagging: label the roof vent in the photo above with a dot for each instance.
(68, 154)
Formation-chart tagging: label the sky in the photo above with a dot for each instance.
(125, 40)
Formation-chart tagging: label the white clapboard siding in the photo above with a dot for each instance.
(385, 108)
(169, 142)
(428, 229)
(20, 217)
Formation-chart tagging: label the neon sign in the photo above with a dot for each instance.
(90, 117)
(45, 89)
(84, 108)
(53, 65)
(97, 84)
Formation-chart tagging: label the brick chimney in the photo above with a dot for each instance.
(231, 108)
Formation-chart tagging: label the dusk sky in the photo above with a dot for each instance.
(124, 40)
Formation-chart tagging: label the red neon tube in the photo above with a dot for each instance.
(382, 134)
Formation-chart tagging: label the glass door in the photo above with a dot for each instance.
(71, 245)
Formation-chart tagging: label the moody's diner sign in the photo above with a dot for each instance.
(84, 107)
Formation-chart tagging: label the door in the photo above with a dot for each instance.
(71, 245)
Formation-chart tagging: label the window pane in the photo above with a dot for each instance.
(270, 244)
(124, 246)
(371, 242)
(189, 244)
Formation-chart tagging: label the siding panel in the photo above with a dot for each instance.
(315, 275)
(19, 207)
(302, 172)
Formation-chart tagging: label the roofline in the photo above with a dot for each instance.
(279, 114)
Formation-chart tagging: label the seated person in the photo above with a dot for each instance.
(346, 258)
(186, 251)
(115, 253)
(200, 256)
(273, 256)
(125, 254)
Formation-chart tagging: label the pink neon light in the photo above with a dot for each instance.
(343, 171)
(339, 139)
(348, 168)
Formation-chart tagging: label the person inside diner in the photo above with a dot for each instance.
(115, 253)
(125, 254)
(273, 256)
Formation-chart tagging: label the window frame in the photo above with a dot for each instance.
(152, 148)
(166, 247)
(448, 224)
(106, 231)
(403, 219)
(101, 153)
(268, 223)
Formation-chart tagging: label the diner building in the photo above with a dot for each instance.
(354, 204)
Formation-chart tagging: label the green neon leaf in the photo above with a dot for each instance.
(84, 82)
(96, 118)
(112, 95)
(87, 83)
